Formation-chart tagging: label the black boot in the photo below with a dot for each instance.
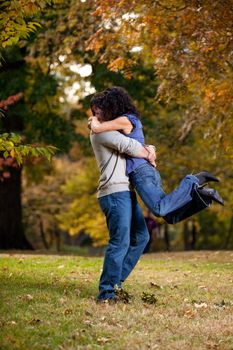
(210, 193)
(205, 176)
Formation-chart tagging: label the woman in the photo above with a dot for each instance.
(113, 109)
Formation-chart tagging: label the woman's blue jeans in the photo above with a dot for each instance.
(128, 238)
(147, 182)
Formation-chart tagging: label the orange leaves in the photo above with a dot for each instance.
(187, 44)
(117, 64)
(96, 42)
(11, 100)
(122, 64)
(219, 93)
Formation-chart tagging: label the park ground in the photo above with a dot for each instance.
(180, 301)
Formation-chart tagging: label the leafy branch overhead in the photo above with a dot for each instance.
(11, 146)
(16, 20)
(16, 23)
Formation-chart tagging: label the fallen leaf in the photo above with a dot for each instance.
(68, 311)
(174, 286)
(13, 323)
(88, 322)
(155, 285)
(190, 313)
(28, 297)
(103, 340)
(124, 308)
(62, 301)
(77, 291)
(202, 287)
(200, 305)
(88, 313)
(34, 321)
(75, 335)
(212, 345)
(119, 325)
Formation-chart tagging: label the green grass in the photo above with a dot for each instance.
(48, 302)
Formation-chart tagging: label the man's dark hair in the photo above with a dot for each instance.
(114, 102)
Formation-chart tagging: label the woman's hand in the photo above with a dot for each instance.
(93, 124)
(89, 123)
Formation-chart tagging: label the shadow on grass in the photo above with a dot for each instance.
(66, 250)
(81, 290)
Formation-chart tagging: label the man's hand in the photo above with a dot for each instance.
(151, 154)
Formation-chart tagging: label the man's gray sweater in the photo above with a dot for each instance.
(109, 148)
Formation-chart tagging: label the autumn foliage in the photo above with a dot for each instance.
(189, 44)
(174, 57)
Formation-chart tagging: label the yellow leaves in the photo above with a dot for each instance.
(12, 153)
(15, 21)
(117, 64)
(83, 211)
(122, 64)
(218, 93)
(193, 45)
(95, 43)
(42, 62)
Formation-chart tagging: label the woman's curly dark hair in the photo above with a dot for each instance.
(114, 102)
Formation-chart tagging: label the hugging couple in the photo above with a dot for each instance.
(127, 164)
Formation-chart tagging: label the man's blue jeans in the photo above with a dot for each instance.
(128, 238)
(147, 182)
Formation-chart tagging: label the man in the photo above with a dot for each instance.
(127, 229)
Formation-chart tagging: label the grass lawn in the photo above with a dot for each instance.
(48, 302)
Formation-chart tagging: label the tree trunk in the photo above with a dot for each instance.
(194, 236)
(11, 229)
(186, 236)
(58, 238)
(229, 235)
(42, 233)
(166, 238)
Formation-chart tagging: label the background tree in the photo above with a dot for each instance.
(35, 117)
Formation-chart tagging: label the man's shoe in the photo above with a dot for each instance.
(122, 295)
(205, 176)
(210, 193)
